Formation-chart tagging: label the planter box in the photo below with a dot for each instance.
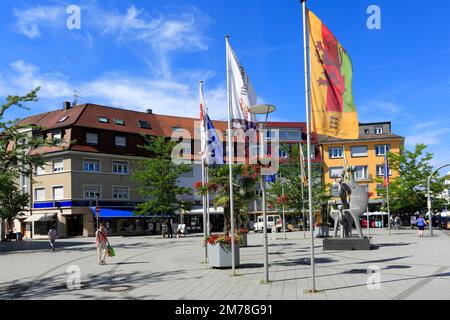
(220, 256)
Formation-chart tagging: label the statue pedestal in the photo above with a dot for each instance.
(349, 244)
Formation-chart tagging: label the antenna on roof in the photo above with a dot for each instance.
(76, 96)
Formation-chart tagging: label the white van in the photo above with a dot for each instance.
(273, 221)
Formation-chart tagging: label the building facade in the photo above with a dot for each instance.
(96, 150)
(366, 154)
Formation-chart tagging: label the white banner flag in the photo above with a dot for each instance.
(242, 94)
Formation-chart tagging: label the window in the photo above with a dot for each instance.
(63, 119)
(177, 129)
(120, 193)
(40, 171)
(336, 153)
(379, 130)
(120, 167)
(58, 193)
(366, 131)
(119, 122)
(313, 152)
(144, 124)
(58, 165)
(361, 173)
(103, 120)
(91, 165)
(57, 136)
(188, 174)
(359, 151)
(381, 150)
(336, 172)
(39, 194)
(380, 171)
(291, 135)
(91, 138)
(92, 191)
(120, 141)
(284, 154)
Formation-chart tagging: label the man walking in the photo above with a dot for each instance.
(101, 242)
(52, 237)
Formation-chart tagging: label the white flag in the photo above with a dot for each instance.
(242, 94)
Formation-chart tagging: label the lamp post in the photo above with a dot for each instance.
(429, 195)
(264, 109)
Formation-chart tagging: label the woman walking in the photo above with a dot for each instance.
(101, 241)
(421, 224)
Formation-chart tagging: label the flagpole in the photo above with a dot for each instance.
(203, 180)
(302, 170)
(230, 160)
(388, 207)
(207, 205)
(309, 132)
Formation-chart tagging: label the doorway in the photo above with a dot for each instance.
(74, 225)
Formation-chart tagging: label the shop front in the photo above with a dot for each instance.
(39, 224)
(126, 223)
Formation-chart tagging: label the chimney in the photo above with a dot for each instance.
(150, 111)
(66, 105)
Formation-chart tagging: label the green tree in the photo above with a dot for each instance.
(292, 182)
(245, 181)
(158, 177)
(15, 157)
(408, 192)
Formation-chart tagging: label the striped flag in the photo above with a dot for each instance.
(302, 165)
(386, 171)
(211, 146)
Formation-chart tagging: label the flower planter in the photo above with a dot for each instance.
(220, 256)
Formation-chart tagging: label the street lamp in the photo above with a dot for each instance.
(264, 109)
(429, 195)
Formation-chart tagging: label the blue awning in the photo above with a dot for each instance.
(111, 213)
(123, 214)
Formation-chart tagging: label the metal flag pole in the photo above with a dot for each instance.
(203, 129)
(309, 132)
(302, 170)
(230, 159)
(388, 207)
(284, 209)
(207, 205)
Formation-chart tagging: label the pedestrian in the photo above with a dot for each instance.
(421, 224)
(101, 241)
(52, 237)
(169, 228)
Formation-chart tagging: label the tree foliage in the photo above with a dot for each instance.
(158, 177)
(15, 158)
(408, 192)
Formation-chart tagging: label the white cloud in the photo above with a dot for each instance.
(30, 21)
(164, 34)
(25, 77)
(163, 96)
(429, 137)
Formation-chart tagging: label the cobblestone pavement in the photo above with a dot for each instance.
(156, 268)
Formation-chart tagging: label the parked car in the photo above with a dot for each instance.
(273, 221)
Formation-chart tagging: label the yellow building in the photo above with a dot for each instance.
(366, 154)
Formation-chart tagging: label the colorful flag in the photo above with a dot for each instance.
(386, 171)
(302, 165)
(242, 94)
(333, 106)
(211, 146)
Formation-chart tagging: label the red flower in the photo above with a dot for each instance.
(198, 185)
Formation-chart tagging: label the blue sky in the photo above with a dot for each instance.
(151, 54)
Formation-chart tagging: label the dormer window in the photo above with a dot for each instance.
(144, 124)
(63, 119)
(379, 130)
(103, 120)
(57, 136)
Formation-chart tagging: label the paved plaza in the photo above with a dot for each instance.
(156, 268)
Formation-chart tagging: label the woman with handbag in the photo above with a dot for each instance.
(101, 240)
